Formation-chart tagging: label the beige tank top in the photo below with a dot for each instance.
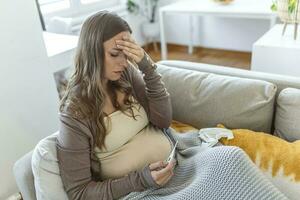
(131, 144)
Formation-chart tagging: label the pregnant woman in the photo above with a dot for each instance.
(114, 130)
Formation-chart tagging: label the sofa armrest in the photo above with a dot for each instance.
(24, 177)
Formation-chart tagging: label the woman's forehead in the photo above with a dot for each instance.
(121, 35)
(111, 43)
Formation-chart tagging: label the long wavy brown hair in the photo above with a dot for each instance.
(85, 96)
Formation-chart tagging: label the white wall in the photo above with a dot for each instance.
(212, 32)
(136, 21)
(28, 98)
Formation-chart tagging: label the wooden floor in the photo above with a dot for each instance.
(204, 55)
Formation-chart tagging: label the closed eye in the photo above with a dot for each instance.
(114, 54)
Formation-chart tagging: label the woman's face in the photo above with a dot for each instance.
(115, 61)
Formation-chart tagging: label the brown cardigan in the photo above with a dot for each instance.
(80, 168)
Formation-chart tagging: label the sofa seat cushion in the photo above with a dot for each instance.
(47, 180)
(205, 100)
(287, 119)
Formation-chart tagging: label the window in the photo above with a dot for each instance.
(103, 3)
(89, 1)
(76, 10)
(48, 6)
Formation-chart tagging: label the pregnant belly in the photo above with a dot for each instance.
(148, 146)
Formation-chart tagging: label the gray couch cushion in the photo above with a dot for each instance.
(287, 120)
(204, 100)
(24, 177)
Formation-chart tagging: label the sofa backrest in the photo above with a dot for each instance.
(281, 81)
(202, 96)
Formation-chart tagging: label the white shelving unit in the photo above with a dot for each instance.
(277, 53)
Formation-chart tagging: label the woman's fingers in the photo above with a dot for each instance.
(131, 49)
(166, 170)
(128, 44)
(134, 51)
(156, 165)
(131, 55)
(163, 175)
(137, 56)
(129, 38)
(162, 178)
(166, 179)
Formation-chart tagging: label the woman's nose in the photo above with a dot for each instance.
(123, 61)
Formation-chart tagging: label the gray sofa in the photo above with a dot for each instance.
(204, 95)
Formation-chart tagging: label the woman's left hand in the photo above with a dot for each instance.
(131, 48)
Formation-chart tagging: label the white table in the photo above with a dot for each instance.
(250, 9)
(277, 54)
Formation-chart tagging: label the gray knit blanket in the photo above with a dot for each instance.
(219, 172)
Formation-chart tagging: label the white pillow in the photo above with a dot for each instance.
(47, 180)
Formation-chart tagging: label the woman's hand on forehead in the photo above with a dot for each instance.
(130, 48)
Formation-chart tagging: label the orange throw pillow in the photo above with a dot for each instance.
(181, 127)
(278, 159)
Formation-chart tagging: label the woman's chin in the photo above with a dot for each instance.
(115, 77)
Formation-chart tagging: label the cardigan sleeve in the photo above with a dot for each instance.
(151, 93)
(73, 152)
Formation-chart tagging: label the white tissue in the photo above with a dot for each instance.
(211, 136)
